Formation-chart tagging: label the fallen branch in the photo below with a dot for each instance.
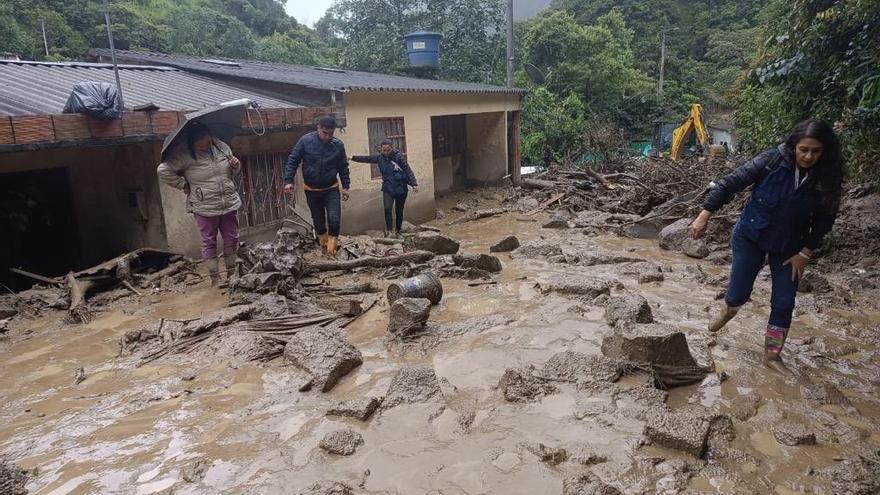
(34, 276)
(538, 184)
(371, 262)
(476, 215)
(547, 203)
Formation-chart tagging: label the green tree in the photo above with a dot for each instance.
(201, 31)
(549, 119)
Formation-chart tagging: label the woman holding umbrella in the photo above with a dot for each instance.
(204, 169)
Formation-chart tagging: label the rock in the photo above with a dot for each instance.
(813, 282)
(324, 353)
(534, 250)
(79, 375)
(7, 310)
(408, 316)
(587, 484)
(327, 488)
(575, 367)
(745, 407)
(672, 236)
(720, 257)
(586, 456)
(259, 282)
(195, 471)
(439, 214)
(695, 248)
(341, 442)
(411, 385)
(698, 345)
(12, 479)
(655, 344)
(551, 456)
(505, 245)
(361, 408)
(410, 228)
(682, 431)
(856, 476)
(558, 220)
(506, 461)
(483, 262)
(521, 385)
(825, 394)
(793, 434)
(433, 242)
(589, 287)
(526, 205)
(628, 308)
(462, 207)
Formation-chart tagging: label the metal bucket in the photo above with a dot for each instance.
(425, 286)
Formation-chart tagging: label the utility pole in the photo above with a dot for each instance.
(662, 62)
(509, 43)
(45, 42)
(113, 55)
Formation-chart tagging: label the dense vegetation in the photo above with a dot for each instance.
(772, 61)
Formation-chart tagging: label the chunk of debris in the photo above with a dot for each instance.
(648, 272)
(521, 385)
(628, 308)
(589, 287)
(856, 476)
(534, 250)
(505, 245)
(814, 282)
(327, 488)
(825, 394)
(12, 478)
(412, 384)
(684, 431)
(558, 220)
(745, 407)
(694, 248)
(547, 455)
(576, 367)
(361, 408)
(341, 442)
(673, 236)
(586, 456)
(324, 353)
(656, 344)
(195, 471)
(79, 375)
(432, 242)
(408, 316)
(587, 484)
(793, 434)
(263, 283)
(483, 262)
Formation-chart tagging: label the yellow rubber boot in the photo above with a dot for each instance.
(332, 246)
(322, 240)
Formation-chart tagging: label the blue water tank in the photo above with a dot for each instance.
(423, 48)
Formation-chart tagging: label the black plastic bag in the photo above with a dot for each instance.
(97, 99)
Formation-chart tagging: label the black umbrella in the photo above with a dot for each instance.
(223, 121)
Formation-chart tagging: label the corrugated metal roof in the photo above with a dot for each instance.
(311, 77)
(28, 88)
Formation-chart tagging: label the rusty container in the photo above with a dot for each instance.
(424, 286)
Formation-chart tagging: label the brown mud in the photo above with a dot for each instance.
(193, 424)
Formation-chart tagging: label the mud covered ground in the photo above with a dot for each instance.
(506, 391)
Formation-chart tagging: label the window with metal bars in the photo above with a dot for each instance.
(385, 128)
(262, 189)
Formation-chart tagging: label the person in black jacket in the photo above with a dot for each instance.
(325, 167)
(396, 176)
(794, 202)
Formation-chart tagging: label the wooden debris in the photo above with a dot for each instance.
(370, 261)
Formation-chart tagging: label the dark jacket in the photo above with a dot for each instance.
(394, 179)
(322, 163)
(778, 217)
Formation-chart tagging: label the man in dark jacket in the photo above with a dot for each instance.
(325, 167)
(396, 176)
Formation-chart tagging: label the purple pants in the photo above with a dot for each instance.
(227, 224)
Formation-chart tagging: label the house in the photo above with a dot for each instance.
(75, 190)
(454, 134)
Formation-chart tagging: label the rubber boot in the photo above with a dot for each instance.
(231, 262)
(774, 341)
(213, 270)
(396, 234)
(332, 245)
(322, 240)
(722, 319)
(387, 234)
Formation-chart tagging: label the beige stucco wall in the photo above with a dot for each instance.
(364, 211)
(486, 146)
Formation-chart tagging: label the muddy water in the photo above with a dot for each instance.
(135, 430)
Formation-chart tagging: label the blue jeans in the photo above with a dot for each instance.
(748, 259)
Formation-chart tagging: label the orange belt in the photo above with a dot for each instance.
(307, 187)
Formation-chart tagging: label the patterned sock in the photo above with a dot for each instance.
(774, 339)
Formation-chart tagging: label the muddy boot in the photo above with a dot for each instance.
(396, 234)
(387, 234)
(332, 245)
(322, 240)
(774, 340)
(231, 262)
(722, 319)
(213, 270)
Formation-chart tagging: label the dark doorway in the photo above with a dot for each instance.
(38, 224)
(449, 143)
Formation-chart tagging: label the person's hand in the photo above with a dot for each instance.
(415, 189)
(186, 189)
(288, 188)
(700, 224)
(798, 264)
(234, 162)
(345, 195)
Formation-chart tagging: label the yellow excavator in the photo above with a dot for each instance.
(681, 134)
